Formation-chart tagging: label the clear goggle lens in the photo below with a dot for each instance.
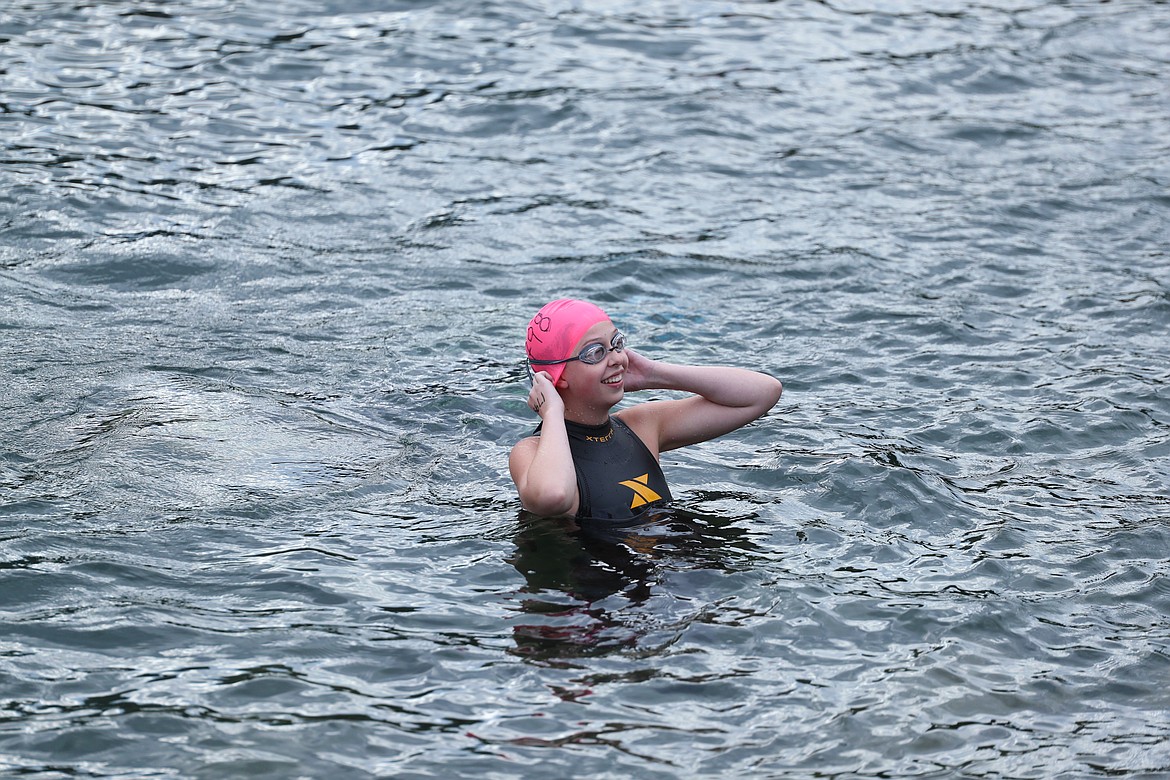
(595, 353)
(592, 354)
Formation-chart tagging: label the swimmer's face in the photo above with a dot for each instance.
(609, 371)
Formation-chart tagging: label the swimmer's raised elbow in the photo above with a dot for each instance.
(771, 395)
(549, 501)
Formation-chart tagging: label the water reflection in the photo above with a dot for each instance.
(586, 587)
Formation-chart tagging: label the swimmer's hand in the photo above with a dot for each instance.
(638, 372)
(543, 398)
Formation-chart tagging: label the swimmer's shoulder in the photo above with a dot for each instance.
(522, 454)
(643, 421)
(527, 443)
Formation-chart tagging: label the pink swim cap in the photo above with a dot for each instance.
(557, 328)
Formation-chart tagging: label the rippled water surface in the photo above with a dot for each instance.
(265, 269)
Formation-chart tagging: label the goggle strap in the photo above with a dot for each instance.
(618, 338)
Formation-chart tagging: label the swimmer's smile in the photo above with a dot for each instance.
(616, 379)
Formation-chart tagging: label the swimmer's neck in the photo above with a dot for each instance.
(588, 416)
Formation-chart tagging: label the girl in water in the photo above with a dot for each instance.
(584, 462)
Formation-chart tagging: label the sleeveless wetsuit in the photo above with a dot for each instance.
(617, 477)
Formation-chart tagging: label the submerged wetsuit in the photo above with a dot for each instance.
(617, 476)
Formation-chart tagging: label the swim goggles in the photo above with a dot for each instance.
(591, 355)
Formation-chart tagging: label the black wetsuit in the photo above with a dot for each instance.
(617, 476)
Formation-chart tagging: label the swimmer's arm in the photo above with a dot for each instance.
(724, 398)
(542, 468)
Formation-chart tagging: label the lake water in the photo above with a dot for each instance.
(265, 270)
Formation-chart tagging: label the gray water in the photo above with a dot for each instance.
(264, 274)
